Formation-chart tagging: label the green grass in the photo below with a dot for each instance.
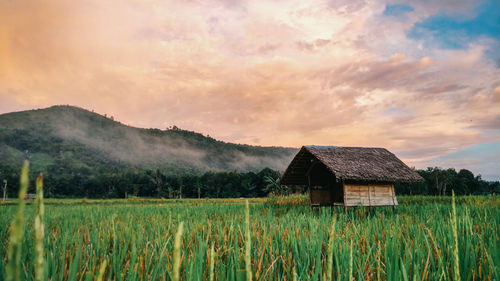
(134, 240)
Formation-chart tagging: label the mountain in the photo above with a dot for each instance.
(68, 136)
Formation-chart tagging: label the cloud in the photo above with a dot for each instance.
(496, 94)
(274, 73)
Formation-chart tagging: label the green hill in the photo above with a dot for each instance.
(76, 139)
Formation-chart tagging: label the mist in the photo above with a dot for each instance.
(164, 149)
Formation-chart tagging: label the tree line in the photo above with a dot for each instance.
(125, 181)
(439, 181)
(132, 182)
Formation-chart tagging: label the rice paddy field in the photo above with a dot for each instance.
(278, 238)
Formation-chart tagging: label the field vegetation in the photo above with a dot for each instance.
(275, 238)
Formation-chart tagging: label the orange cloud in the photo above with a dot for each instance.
(250, 72)
(496, 94)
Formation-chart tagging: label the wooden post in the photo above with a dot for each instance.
(310, 190)
(393, 196)
(331, 189)
(343, 191)
(308, 173)
(369, 196)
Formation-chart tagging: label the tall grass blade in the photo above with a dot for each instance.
(350, 261)
(456, 266)
(102, 269)
(248, 243)
(39, 230)
(13, 268)
(331, 237)
(379, 252)
(177, 252)
(212, 262)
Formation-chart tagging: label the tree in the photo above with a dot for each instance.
(441, 179)
(466, 181)
(273, 186)
(4, 189)
(198, 187)
(157, 179)
(466, 174)
(180, 184)
(448, 177)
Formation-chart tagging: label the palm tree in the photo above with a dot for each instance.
(273, 185)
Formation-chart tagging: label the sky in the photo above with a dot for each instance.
(420, 78)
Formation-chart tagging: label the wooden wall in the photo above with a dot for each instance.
(321, 185)
(321, 197)
(327, 195)
(369, 195)
(325, 190)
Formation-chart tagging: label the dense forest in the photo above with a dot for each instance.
(129, 182)
(121, 182)
(84, 154)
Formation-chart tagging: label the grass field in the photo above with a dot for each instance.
(134, 240)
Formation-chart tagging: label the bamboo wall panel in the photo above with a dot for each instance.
(369, 195)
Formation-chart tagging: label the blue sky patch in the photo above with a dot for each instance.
(454, 32)
(397, 10)
(480, 159)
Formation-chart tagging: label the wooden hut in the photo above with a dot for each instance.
(348, 176)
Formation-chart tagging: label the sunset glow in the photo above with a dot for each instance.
(419, 78)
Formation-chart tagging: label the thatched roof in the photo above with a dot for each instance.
(350, 163)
